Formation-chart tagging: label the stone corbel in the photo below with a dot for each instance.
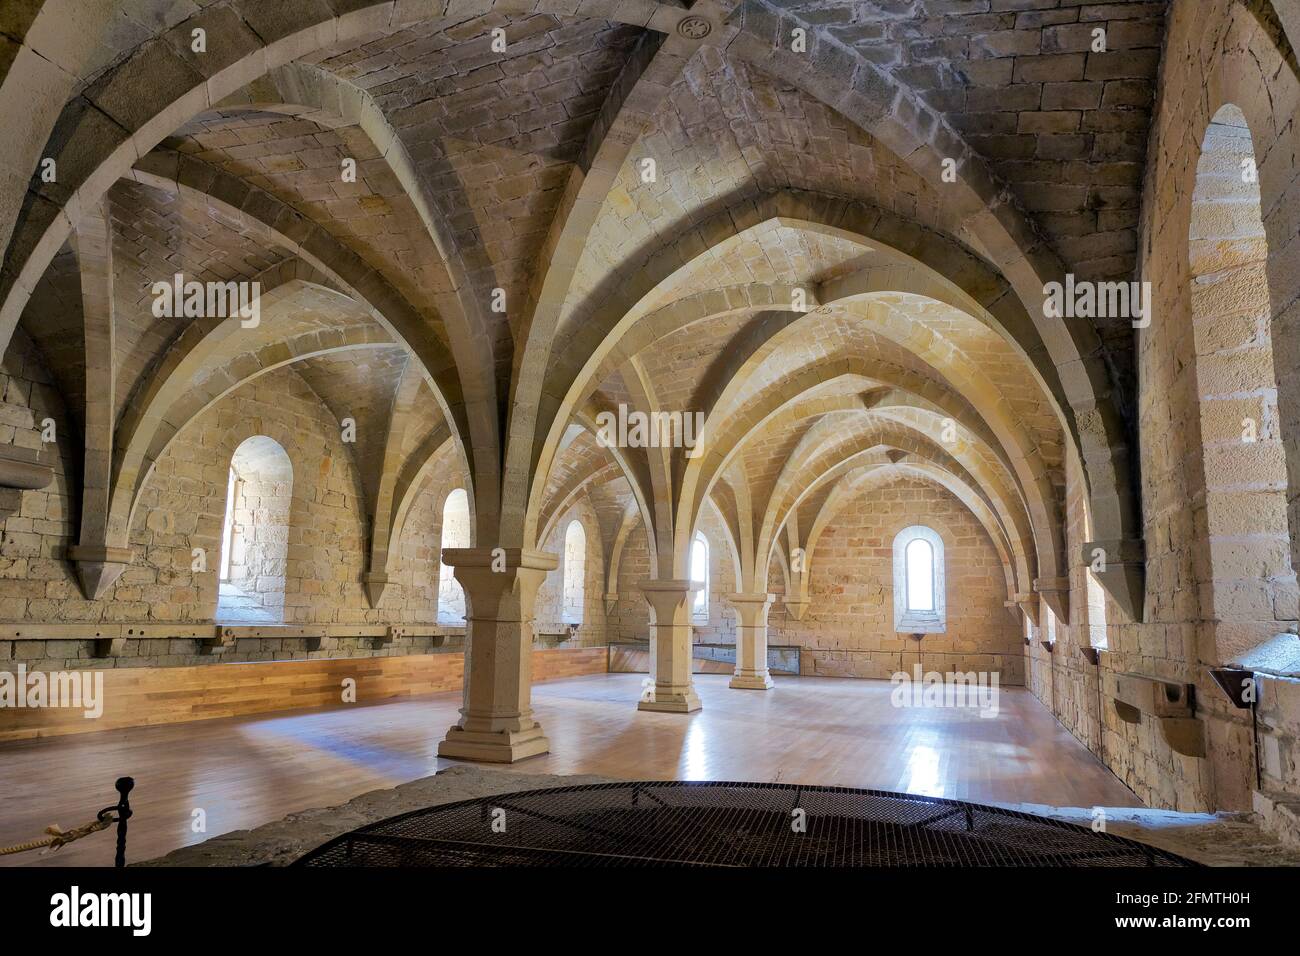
(1169, 703)
(98, 567)
(1028, 604)
(797, 608)
(375, 582)
(21, 469)
(1122, 572)
(1055, 593)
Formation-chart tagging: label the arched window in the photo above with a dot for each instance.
(575, 572)
(455, 534)
(255, 534)
(1050, 620)
(699, 571)
(919, 603)
(920, 575)
(1244, 459)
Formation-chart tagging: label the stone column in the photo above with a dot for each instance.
(670, 651)
(496, 722)
(751, 641)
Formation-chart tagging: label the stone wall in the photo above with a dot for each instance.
(182, 509)
(848, 629)
(1217, 53)
(548, 617)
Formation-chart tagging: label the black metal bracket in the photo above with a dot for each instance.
(122, 808)
(1234, 681)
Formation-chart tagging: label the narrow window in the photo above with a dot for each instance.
(920, 575)
(455, 534)
(919, 601)
(575, 572)
(699, 572)
(228, 526)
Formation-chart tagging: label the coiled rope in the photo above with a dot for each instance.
(58, 838)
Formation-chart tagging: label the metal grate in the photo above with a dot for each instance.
(677, 823)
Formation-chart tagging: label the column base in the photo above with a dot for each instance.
(684, 702)
(761, 680)
(504, 746)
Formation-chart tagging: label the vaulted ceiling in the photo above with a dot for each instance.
(564, 206)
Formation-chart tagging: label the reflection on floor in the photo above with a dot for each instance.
(240, 772)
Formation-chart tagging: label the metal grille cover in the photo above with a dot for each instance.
(679, 823)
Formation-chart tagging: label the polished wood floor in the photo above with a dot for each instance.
(245, 771)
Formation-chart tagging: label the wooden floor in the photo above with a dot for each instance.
(246, 771)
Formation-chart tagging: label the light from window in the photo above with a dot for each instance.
(919, 602)
(1096, 612)
(920, 575)
(575, 572)
(700, 575)
(1051, 625)
(228, 527)
(455, 534)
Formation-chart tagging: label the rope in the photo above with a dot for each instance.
(58, 838)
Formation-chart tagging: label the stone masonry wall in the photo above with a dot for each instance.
(182, 508)
(848, 629)
(1217, 53)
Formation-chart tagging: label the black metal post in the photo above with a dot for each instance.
(124, 786)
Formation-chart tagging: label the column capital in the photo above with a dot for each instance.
(500, 560)
(668, 585)
(751, 598)
(751, 609)
(668, 597)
